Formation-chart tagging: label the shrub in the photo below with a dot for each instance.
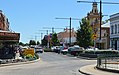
(47, 50)
(36, 56)
(29, 56)
(104, 52)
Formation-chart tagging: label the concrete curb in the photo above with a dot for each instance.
(108, 70)
(86, 58)
(19, 63)
(92, 70)
(84, 72)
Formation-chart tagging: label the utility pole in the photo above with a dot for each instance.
(100, 12)
(70, 27)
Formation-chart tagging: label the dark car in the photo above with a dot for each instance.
(57, 49)
(75, 50)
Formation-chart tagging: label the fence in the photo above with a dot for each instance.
(110, 62)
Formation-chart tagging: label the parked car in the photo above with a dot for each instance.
(38, 49)
(92, 48)
(64, 50)
(53, 48)
(75, 50)
(70, 49)
(57, 49)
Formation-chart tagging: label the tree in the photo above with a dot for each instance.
(38, 42)
(54, 40)
(44, 41)
(84, 34)
(32, 42)
(21, 43)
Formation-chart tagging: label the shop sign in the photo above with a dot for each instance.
(9, 36)
(29, 51)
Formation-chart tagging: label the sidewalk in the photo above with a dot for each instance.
(19, 63)
(91, 70)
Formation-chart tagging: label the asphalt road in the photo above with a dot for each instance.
(50, 64)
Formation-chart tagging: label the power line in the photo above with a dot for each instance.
(52, 28)
(97, 2)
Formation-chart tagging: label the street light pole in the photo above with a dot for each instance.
(100, 20)
(70, 33)
(47, 39)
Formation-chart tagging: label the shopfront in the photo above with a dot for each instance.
(7, 42)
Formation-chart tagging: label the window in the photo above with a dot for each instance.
(118, 28)
(115, 28)
(112, 29)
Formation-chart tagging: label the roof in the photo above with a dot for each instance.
(106, 25)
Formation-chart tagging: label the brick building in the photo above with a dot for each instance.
(63, 37)
(7, 38)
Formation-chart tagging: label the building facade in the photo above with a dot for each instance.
(63, 37)
(114, 31)
(5, 34)
(4, 24)
(7, 38)
(94, 18)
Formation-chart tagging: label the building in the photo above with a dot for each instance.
(7, 38)
(4, 24)
(94, 18)
(114, 31)
(63, 37)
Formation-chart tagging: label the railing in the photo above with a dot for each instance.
(110, 62)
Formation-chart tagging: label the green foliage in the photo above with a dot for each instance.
(44, 42)
(29, 56)
(38, 42)
(47, 50)
(55, 41)
(32, 42)
(36, 56)
(104, 52)
(21, 43)
(84, 34)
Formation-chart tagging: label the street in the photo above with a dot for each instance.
(50, 64)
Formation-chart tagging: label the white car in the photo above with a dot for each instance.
(38, 49)
(92, 49)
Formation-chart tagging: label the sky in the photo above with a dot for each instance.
(31, 17)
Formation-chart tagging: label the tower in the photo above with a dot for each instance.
(94, 18)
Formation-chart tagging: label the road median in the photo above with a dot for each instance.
(19, 63)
